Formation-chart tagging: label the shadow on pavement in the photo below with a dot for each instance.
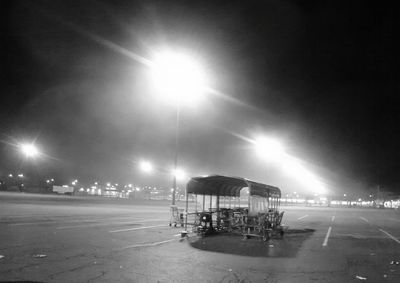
(288, 246)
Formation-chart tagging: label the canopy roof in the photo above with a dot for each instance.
(217, 185)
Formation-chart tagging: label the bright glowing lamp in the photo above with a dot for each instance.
(269, 149)
(29, 150)
(178, 78)
(146, 166)
(179, 174)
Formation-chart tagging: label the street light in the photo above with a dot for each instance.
(178, 80)
(146, 166)
(179, 174)
(269, 149)
(29, 150)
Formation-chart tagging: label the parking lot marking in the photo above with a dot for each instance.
(30, 223)
(394, 219)
(333, 218)
(362, 218)
(90, 221)
(302, 217)
(390, 236)
(110, 223)
(148, 244)
(137, 228)
(325, 243)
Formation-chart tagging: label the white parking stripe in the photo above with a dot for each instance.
(137, 228)
(302, 217)
(110, 223)
(333, 218)
(325, 243)
(148, 244)
(362, 218)
(30, 223)
(390, 236)
(51, 221)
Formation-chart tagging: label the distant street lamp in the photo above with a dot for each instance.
(146, 166)
(29, 150)
(269, 149)
(179, 174)
(180, 81)
(272, 150)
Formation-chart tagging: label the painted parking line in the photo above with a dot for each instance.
(111, 223)
(390, 236)
(137, 228)
(30, 223)
(333, 218)
(90, 221)
(364, 219)
(325, 243)
(148, 244)
(394, 219)
(302, 217)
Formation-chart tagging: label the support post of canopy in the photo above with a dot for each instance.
(218, 213)
(187, 206)
(248, 198)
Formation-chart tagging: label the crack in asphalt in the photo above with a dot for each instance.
(96, 277)
(80, 267)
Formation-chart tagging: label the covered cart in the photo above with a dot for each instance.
(233, 204)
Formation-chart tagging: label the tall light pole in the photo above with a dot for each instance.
(176, 154)
(179, 80)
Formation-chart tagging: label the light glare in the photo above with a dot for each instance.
(269, 149)
(178, 79)
(29, 150)
(179, 174)
(146, 166)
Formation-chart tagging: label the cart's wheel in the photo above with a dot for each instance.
(267, 235)
(170, 224)
(282, 233)
(175, 225)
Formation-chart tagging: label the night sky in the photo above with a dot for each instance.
(321, 76)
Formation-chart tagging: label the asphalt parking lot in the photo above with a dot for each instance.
(47, 238)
